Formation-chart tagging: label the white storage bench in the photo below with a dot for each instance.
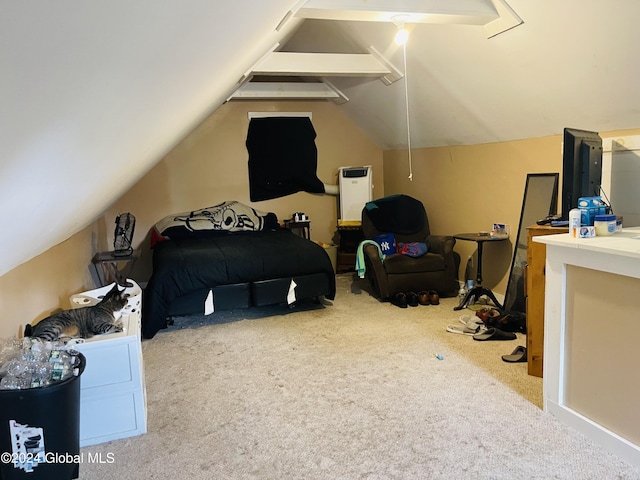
(113, 400)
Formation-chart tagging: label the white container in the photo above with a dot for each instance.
(605, 225)
(586, 231)
(574, 221)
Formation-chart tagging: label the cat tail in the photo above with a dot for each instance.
(28, 330)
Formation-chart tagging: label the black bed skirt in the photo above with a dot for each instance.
(256, 294)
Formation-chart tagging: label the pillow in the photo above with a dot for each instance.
(215, 220)
(387, 242)
(412, 249)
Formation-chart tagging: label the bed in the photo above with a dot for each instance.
(199, 270)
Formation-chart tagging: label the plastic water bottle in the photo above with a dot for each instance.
(462, 292)
(470, 285)
(35, 363)
(574, 221)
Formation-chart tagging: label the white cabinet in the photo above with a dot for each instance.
(591, 351)
(112, 390)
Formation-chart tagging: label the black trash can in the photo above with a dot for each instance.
(40, 430)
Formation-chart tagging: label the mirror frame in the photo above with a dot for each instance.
(514, 297)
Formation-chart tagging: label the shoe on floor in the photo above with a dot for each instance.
(434, 298)
(399, 300)
(487, 314)
(412, 299)
(470, 320)
(423, 297)
(464, 329)
(495, 334)
(517, 356)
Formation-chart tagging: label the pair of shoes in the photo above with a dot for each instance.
(429, 298)
(403, 300)
(517, 356)
(495, 334)
(399, 300)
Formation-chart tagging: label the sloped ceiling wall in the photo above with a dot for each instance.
(92, 94)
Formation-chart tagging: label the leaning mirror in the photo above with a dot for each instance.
(540, 199)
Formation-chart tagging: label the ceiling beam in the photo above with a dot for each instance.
(496, 16)
(311, 65)
(507, 20)
(468, 12)
(394, 74)
(288, 91)
(320, 65)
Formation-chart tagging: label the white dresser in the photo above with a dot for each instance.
(113, 401)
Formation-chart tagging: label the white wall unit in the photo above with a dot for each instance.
(588, 282)
(356, 189)
(112, 389)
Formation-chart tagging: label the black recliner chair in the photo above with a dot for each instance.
(407, 219)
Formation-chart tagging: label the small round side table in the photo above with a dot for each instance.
(478, 290)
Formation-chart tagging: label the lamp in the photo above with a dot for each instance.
(401, 37)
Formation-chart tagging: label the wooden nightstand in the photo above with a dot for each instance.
(302, 229)
(347, 237)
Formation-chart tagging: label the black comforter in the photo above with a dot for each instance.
(185, 265)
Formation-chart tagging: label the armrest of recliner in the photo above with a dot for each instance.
(442, 244)
(375, 270)
(372, 258)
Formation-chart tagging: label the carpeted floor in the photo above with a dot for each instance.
(348, 391)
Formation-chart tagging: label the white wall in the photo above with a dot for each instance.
(621, 176)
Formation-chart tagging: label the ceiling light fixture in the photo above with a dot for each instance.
(401, 38)
(402, 35)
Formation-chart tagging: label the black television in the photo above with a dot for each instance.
(581, 167)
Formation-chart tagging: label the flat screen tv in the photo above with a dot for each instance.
(581, 167)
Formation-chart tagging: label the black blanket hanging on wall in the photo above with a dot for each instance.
(282, 157)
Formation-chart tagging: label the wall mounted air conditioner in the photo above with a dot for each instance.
(356, 189)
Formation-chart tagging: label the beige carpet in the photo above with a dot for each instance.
(350, 391)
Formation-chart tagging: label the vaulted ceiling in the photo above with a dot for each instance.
(93, 94)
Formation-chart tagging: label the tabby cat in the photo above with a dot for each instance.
(103, 317)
